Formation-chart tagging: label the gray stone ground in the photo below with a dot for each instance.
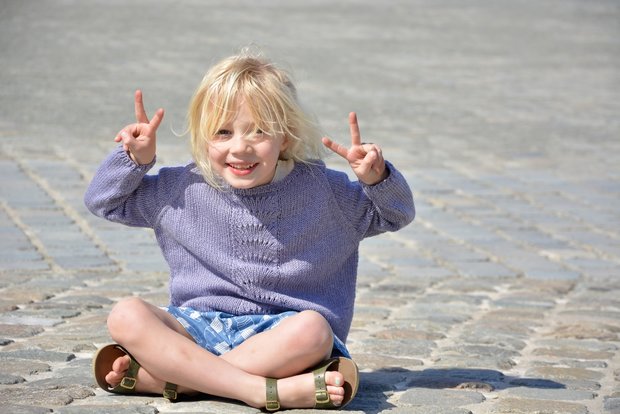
(502, 297)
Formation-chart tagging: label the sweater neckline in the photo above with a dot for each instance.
(266, 188)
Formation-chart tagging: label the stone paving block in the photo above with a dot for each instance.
(398, 347)
(15, 318)
(25, 409)
(528, 406)
(576, 353)
(374, 362)
(19, 331)
(551, 274)
(19, 367)
(93, 409)
(485, 269)
(441, 398)
(37, 397)
(9, 379)
(561, 373)
(549, 394)
(37, 355)
(600, 331)
(453, 377)
(426, 410)
(611, 405)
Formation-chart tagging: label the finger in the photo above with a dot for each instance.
(355, 129)
(139, 108)
(368, 162)
(367, 147)
(119, 135)
(335, 147)
(159, 115)
(128, 134)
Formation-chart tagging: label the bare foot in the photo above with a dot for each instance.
(294, 392)
(145, 382)
(298, 391)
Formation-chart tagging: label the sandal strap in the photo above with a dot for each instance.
(131, 376)
(321, 396)
(272, 403)
(170, 391)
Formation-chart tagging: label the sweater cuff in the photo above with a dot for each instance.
(394, 186)
(124, 160)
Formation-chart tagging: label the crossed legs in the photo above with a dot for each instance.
(167, 352)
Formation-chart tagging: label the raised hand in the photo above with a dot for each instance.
(139, 139)
(366, 160)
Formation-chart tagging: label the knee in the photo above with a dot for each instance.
(126, 319)
(312, 333)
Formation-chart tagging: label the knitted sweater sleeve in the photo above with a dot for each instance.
(375, 209)
(122, 192)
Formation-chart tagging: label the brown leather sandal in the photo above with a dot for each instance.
(345, 366)
(102, 365)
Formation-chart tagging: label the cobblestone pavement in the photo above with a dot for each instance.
(502, 297)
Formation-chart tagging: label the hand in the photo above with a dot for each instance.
(366, 160)
(139, 139)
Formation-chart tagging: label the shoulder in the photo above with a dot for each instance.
(180, 172)
(318, 167)
(170, 180)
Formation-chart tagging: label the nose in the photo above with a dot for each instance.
(239, 144)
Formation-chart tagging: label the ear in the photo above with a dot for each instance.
(285, 144)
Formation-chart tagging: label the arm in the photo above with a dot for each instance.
(381, 200)
(120, 191)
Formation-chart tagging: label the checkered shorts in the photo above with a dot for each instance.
(219, 332)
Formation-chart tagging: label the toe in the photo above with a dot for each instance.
(121, 364)
(113, 378)
(119, 368)
(335, 389)
(336, 395)
(334, 378)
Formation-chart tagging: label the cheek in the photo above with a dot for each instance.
(214, 154)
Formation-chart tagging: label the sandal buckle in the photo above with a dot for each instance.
(272, 405)
(321, 397)
(128, 383)
(170, 394)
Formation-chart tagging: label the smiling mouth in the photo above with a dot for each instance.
(241, 169)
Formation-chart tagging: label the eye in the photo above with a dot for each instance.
(223, 134)
(258, 132)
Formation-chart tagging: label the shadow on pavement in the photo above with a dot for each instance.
(378, 385)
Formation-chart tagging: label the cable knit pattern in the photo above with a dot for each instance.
(289, 245)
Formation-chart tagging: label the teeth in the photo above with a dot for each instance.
(241, 166)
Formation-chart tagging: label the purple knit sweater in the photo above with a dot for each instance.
(289, 245)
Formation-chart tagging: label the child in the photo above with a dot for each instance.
(262, 244)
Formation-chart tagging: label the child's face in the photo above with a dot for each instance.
(243, 155)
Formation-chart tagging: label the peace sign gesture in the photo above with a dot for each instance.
(366, 160)
(139, 139)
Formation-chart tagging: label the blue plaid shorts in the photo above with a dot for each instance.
(219, 332)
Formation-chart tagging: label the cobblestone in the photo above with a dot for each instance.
(502, 297)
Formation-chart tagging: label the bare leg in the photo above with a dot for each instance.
(296, 344)
(162, 345)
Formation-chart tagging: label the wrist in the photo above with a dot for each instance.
(375, 179)
(139, 161)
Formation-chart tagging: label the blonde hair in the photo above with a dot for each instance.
(271, 98)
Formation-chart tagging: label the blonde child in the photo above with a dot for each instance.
(261, 240)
